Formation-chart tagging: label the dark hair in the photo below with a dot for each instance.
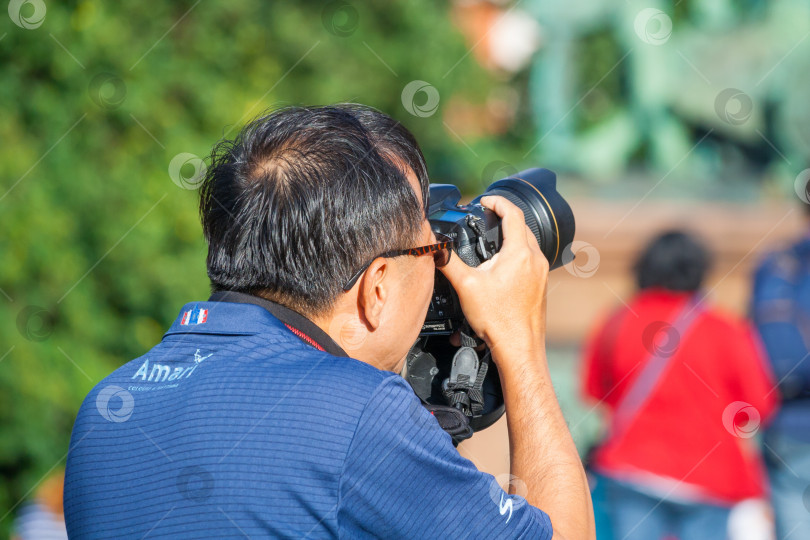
(304, 196)
(674, 260)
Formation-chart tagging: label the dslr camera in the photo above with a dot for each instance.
(460, 385)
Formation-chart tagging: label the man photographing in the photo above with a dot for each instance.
(276, 409)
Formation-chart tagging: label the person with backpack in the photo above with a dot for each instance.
(780, 309)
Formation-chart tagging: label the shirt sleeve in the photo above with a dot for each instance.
(404, 479)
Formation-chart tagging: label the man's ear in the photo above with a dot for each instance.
(373, 292)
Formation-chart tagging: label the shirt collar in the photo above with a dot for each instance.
(299, 325)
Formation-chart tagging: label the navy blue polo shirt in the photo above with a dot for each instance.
(247, 420)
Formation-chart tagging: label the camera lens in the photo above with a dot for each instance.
(547, 214)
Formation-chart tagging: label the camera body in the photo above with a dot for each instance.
(463, 380)
(476, 233)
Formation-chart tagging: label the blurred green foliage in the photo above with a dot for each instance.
(99, 246)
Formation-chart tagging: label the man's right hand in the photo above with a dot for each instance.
(503, 299)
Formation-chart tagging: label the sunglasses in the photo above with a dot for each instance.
(441, 256)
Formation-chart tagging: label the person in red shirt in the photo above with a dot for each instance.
(686, 388)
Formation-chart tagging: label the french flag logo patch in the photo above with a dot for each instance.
(194, 316)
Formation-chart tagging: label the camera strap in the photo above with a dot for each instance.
(466, 339)
(421, 371)
(463, 389)
(451, 420)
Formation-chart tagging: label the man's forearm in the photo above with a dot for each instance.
(542, 452)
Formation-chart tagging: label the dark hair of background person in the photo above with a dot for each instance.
(304, 196)
(674, 260)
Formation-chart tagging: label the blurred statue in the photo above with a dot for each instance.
(693, 89)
